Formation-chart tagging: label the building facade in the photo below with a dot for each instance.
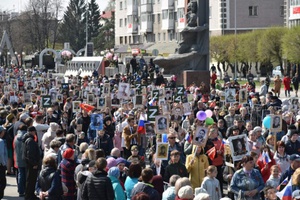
(156, 24)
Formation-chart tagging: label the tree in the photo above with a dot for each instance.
(106, 38)
(72, 29)
(93, 20)
(291, 44)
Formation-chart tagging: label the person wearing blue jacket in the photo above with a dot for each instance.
(3, 162)
(113, 174)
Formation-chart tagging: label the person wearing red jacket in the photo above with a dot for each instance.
(287, 85)
(213, 79)
(265, 162)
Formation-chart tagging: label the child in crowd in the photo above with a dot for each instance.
(211, 184)
(274, 179)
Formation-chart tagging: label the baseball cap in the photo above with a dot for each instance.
(296, 194)
(294, 157)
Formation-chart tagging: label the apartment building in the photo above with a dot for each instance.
(156, 24)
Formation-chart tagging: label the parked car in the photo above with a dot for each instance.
(276, 71)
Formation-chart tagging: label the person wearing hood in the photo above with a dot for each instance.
(98, 184)
(19, 163)
(113, 174)
(109, 127)
(49, 136)
(49, 185)
(31, 155)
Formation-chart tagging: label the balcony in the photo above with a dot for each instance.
(146, 8)
(167, 4)
(168, 22)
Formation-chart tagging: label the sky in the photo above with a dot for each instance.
(18, 5)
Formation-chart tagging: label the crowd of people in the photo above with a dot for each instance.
(68, 139)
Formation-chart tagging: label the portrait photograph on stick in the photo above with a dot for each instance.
(162, 150)
(276, 123)
(161, 124)
(238, 146)
(200, 135)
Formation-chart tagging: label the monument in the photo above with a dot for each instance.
(192, 55)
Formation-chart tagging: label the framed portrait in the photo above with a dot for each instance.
(90, 98)
(190, 97)
(106, 89)
(123, 91)
(44, 91)
(29, 85)
(222, 96)
(200, 135)
(230, 95)
(53, 96)
(27, 98)
(6, 89)
(168, 95)
(59, 98)
(238, 146)
(276, 123)
(162, 151)
(177, 113)
(59, 81)
(76, 106)
(294, 103)
(96, 121)
(166, 108)
(13, 98)
(138, 101)
(243, 96)
(161, 124)
(115, 101)
(14, 84)
(108, 101)
(161, 92)
(132, 92)
(150, 129)
(187, 108)
(100, 102)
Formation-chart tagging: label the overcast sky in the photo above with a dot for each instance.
(18, 5)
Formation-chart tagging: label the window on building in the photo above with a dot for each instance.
(158, 18)
(129, 39)
(253, 10)
(121, 40)
(121, 5)
(171, 36)
(153, 38)
(153, 18)
(171, 14)
(125, 39)
(149, 17)
(175, 16)
(158, 37)
(129, 20)
(125, 4)
(121, 23)
(165, 14)
(143, 17)
(281, 10)
(164, 36)
(209, 12)
(125, 22)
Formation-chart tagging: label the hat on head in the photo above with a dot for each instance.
(120, 160)
(296, 194)
(23, 116)
(31, 128)
(134, 148)
(111, 162)
(294, 157)
(114, 171)
(68, 153)
(257, 129)
(186, 192)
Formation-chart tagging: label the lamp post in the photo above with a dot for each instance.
(235, 63)
(87, 24)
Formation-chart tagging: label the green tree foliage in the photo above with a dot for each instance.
(291, 44)
(93, 20)
(270, 45)
(72, 29)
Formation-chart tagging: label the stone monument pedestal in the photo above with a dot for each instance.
(194, 76)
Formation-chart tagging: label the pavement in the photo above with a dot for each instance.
(11, 190)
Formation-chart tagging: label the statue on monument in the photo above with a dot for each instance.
(193, 50)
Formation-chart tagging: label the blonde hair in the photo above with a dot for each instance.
(90, 154)
(270, 137)
(296, 177)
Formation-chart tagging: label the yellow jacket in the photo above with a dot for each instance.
(197, 169)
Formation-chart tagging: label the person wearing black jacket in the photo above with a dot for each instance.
(31, 155)
(98, 184)
(49, 182)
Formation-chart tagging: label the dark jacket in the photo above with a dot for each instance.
(104, 143)
(176, 168)
(146, 188)
(67, 168)
(287, 174)
(96, 186)
(292, 147)
(49, 180)
(31, 151)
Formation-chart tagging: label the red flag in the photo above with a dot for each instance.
(211, 153)
(86, 107)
